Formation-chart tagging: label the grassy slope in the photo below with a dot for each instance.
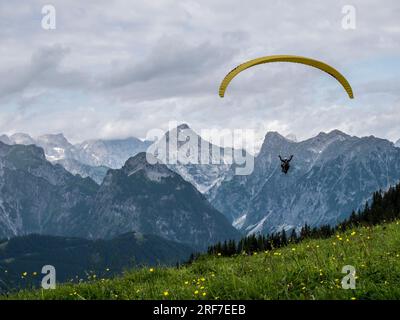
(309, 270)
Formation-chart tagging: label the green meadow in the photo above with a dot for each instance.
(311, 269)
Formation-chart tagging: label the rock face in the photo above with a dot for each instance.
(39, 197)
(397, 144)
(109, 153)
(331, 174)
(22, 138)
(198, 161)
(75, 167)
(56, 147)
(152, 199)
(5, 139)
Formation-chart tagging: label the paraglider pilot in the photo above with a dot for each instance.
(285, 164)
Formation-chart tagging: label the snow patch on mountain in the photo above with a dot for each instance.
(256, 228)
(238, 223)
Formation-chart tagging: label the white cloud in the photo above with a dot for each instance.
(120, 68)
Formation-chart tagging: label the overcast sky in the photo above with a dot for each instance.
(121, 69)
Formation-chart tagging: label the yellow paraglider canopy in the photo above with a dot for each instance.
(286, 58)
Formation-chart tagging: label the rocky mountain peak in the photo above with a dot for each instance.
(58, 139)
(272, 140)
(182, 129)
(332, 134)
(183, 126)
(27, 152)
(274, 135)
(5, 139)
(147, 164)
(22, 138)
(140, 161)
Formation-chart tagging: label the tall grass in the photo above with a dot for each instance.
(308, 270)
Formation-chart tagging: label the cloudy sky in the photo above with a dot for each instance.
(121, 69)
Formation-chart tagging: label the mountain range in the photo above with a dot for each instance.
(331, 174)
(91, 158)
(37, 196)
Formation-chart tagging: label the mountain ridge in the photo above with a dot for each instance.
(331, 174)
(90, 158)
(39, 197)
(157, 200)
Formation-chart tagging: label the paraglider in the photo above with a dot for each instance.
(285, 164)
(286, 58)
